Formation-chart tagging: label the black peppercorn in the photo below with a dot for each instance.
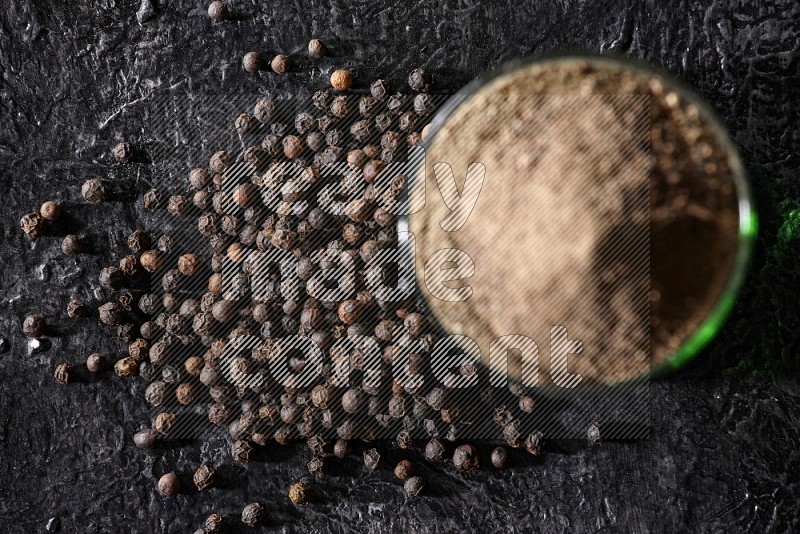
(110, 313)
(316, 49)
(215, 523)
(465, 458)
(123, 152)
(534, 443)
(220, 161)
(360, 131)
(299, 493)
(281, 64)
(169, 484)
(152, 199)
(165, 422)
(34, 326)
(62, 373)
(205, 477)
(186, 393)
(379, 89)
(218, 11)
(50, 210)
(94, 190)
(340, 107)
(414, 486)
(342, 448)
(415, 323)
(404, 469)
(251, 63)
(32, 224)
(129, 266)
(96, 363)
(527, 404)
(72, 246)
(111, 278)
(178, 205)
(292, 146)
(242, 451)
(145, 439)
(593, 433)
(126, 367)
(372, 459)
(383, 121)
(76, 309)
(500, 457)
(419, 81)
(253, 514)
(151, 260)
(434, 450)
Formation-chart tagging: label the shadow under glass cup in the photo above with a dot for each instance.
(580, 149)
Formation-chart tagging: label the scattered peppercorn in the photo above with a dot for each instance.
(205, 477)
(50, 210)
(281, 64)
(419, 80)
(404, 469)
(145, 439)
(62, 373)
(110, 313)
(593, 433)
(215, 523)
(316, 49)
(500, 457)
(76, 309)
(32, 224)
(341, 79)
(251, 63)
(299, 493)
(123, 152)
(414, 486)
(218, 11)
(152, 199)
(72, 245)
(169, 484)
(96, 363)
(465, 457)
(253, 514)
(534, 443)
(94, 190)
(126, 367)
(372, 459)
(34, 326)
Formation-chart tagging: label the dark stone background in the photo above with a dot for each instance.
(78, 76)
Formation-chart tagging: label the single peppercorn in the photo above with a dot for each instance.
(32, 224)
(281, 64)
(50, 210)
(415, 323)
(341, 79)
(111, 278)
(205, 477)
(419, 81)
(126, 367)
(534, 443)
(169, 484)
(215, 523)
(316, 49)
(299, 493)
(465, 457)
(96, 363)
(253, 514)
(500, 457)
(152, 199)
(414, 486)
(527, 404)
(34, 326)
(123, 152)
(110, 313)
(292, 146)
(218, 11)
(186, 393)
(404, 469)
(593, 433)
(72, 245)
(62, 373)
(252, 62)
(372, 459)
(145, 439)
(189, 264)
(242, 451)
(151, 260)
(165, 422)
(342, 448)
(94, 190)
(76, 309)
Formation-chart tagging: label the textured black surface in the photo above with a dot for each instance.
(78, 76)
